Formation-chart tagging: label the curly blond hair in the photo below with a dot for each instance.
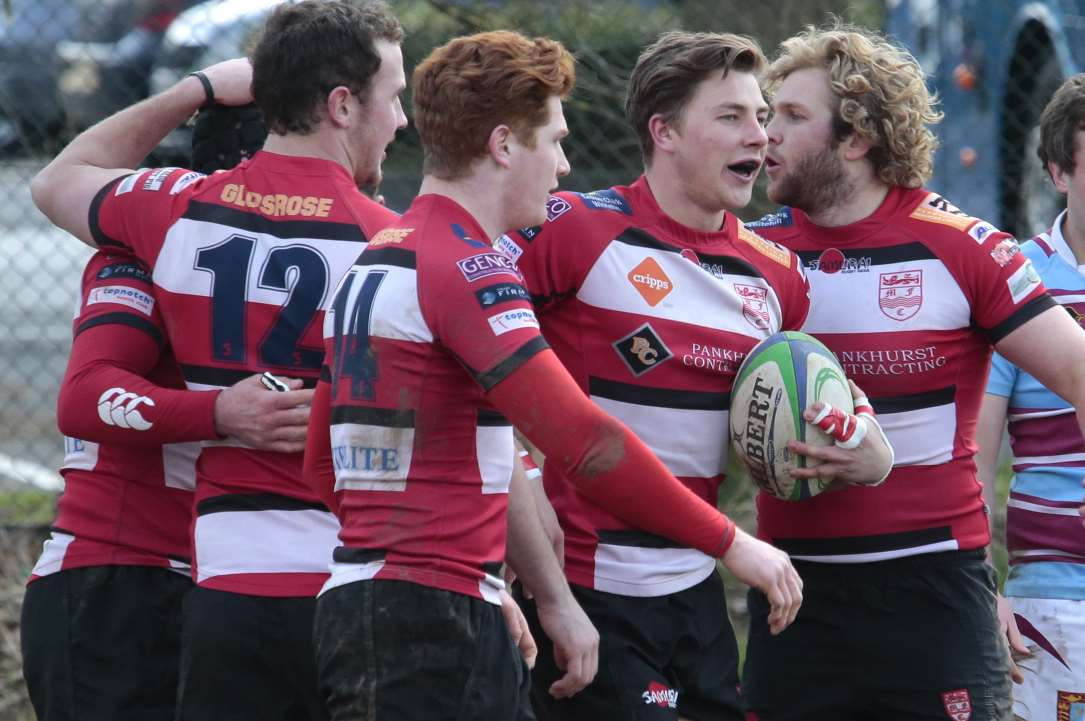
(882, 96)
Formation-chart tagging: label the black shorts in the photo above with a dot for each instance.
(248, 657)
(660, 657)
(398, 651)
(102, 643)
(907, 639)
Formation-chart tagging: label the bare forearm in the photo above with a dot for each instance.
(529, 551)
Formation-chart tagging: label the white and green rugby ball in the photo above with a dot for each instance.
(782, 376)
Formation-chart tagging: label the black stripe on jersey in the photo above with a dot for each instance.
(1022, 315)
(342, 554)
(637, 539)
(96, 232)
(398, 257)
(715, 264)
(491, 419)
(914, 401)
(180, 559)
(904, 253)
(128, 319)
(257, 223)
(366, 416)
(225, 377)
(863, 544)
(502, 370)
(255, 502)
(658, 397)
(492, 568)
(58, 529)
(325, 373)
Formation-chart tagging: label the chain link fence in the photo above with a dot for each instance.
(65, 64)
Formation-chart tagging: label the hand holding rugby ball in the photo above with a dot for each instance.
(782, 376)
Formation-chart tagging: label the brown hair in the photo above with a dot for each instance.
(308, 49)
(1059, 123)
(881, 93)
(470, 85)
(669, 70)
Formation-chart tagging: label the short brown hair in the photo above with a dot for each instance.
(881, 92)
(1063, 117)
(470, 85)
(308, 49)
(669, 70)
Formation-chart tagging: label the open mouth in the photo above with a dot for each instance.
(746, 170)
(771, 165)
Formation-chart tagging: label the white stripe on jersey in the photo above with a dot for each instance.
(230, 542)
(677, 435)
(173, 271)
(1040, 414)
(79, 455)
(692, 290)
(396, 313)
(52, 553)
(494, 447)
(950, 545)
(344, 573)
(179, 465)
(372, 458)
(1049, 460)
(658, 571)
(1037, 508)
(852, 296)
(913, 440)
(1046, 552)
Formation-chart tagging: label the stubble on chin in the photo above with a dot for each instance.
(817, 183)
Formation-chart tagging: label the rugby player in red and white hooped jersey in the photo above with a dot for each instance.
(651, 295)
(244, 264)
(911, 294)
(119, 546)
(428, 366)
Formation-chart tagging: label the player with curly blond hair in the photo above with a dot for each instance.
(911, 293)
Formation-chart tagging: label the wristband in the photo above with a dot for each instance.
(208, 91)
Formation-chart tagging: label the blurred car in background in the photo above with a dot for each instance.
(107, 67)
(65, 64)
(206, 34)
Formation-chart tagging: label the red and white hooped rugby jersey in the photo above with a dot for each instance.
(127, 497)
(652, 319)
(911, 300)
(244, 264)
(421, 463)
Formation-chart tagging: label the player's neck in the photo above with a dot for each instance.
(1073, 232)
(307, 146)
(861, 203)
(475, 195)
(668, 190)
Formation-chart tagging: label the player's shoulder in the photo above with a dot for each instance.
(937, 216)
(777, 224)
(760, 248)
(165, 182)
(590, 214)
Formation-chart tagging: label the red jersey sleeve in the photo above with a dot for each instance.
(111, 391)
(556, 256)
(491, 339)
(318, 470)
(1004, 288)
(134, 211)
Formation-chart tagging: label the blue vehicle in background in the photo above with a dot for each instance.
(995, 64)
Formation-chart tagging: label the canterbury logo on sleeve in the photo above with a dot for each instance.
(118, 407)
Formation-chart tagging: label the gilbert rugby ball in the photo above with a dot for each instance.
(782, 376)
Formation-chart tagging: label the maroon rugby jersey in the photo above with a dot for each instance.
(127, 498)
(652, 319)
(421, 464)
(911, 300)
(244, 263)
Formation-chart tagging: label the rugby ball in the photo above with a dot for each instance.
(782, 376)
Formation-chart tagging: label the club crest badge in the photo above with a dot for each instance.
(900, 294)
(958, 704)
(755, 305)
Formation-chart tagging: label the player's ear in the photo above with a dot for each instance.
(499, 145)
(337, 106)
(1058, 177)
(856, 147)
(662, 132)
